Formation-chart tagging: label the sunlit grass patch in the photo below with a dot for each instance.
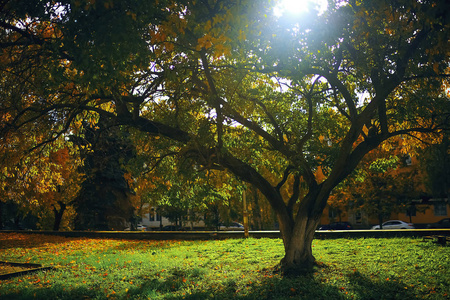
(231, 269)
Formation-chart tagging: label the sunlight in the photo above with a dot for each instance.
(298, 6)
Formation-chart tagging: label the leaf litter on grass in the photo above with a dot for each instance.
(108, 268)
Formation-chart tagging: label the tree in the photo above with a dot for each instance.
(303, 95)
(383, 189)
(104, 201)
(436, 164)
(382, 183)
(41, 182)
(61, 198)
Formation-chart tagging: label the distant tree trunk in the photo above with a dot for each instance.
(380, 220)
(58, 215)
(17, 222)
(1, 215)
(256, 210)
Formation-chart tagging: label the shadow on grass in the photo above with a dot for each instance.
(180, 284)
(367, 288)
(301, 287)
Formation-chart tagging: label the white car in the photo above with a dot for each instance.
(395, 224)
(139, 227)
(231, 227)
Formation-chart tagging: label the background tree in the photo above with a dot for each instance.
(436, 163)
(104, 201)
(384, 182)
(39, 183)
(56, 205)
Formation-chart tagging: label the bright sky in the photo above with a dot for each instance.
(298, 6)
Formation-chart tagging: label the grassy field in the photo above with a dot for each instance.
(230, 269)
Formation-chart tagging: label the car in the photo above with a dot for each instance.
(139, 227)
(337, 226)
(444, 223)
(395, 224)
(173, 228)
(233, 226)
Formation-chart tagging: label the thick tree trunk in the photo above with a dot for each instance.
(298, 246)
(298, 257)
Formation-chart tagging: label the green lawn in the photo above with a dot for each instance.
(403, 268)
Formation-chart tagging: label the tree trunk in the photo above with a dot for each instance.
(298, 245)
(380, 220)
(1, 215)
(298, 240)
(58, 215)
(256, 210)
(298, 253)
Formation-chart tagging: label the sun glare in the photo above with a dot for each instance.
(293, 7)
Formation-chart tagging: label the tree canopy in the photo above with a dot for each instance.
(282, 102)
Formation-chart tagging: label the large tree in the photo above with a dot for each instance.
(104, 201)
(273, 100)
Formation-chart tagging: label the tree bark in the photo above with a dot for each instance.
(298, 248)
(298, 257)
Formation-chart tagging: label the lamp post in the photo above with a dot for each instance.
(245, 215)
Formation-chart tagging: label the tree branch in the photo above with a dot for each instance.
(272, 120)
(295, 193)
(215, 97)
(286, 173)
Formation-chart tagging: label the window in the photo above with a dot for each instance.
(407, 160)
(333, 212)
(440, 209)
(358, 217)
(151, 214)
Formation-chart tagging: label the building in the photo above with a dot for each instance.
(420, 213)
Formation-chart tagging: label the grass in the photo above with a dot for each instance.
(402, 268)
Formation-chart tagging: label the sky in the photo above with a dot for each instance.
(298, 6)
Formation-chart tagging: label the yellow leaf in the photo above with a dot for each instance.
(208, 26)
(436, 67)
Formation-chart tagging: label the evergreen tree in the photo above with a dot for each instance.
(104, 200)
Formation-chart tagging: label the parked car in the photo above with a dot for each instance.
(395, 224)
(173, 228)
(444, 223)
(337, 226)
(139, 227)
(231, 227)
